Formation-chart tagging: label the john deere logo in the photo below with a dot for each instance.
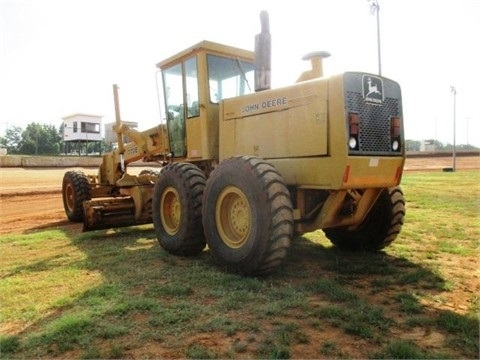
(372, 89)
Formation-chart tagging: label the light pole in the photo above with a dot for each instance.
(454, 92)
(468, 143)
(375, 9)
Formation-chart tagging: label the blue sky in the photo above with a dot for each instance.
(58, 57)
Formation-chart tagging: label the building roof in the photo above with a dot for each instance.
(81, 114)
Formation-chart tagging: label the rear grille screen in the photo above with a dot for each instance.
(374, 134)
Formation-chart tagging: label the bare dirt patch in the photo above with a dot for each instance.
(31, 198)
(439, 163)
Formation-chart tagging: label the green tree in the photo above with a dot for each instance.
(40, 140)
(12, 140)
(107, 146)
(467, 147)
(31, 138)
(53, 140)
(438, 145)
(99, 147)
(412, 145)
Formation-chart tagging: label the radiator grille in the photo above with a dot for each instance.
(374, 134)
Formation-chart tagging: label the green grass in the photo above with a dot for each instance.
(408, 303)
(116, 293)
(405, 350)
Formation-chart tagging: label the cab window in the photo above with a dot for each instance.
(191, 84)
(229, 77)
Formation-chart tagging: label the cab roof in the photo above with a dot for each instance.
(210, 47)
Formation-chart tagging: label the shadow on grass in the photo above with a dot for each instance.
(153, 304)
(65, 224)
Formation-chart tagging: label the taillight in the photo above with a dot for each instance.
(353, 130)
(395, 132)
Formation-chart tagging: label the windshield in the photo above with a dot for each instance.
(228, 77)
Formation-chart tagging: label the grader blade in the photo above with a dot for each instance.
(105, 213)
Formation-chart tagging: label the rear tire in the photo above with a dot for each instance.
(75, 190)
(177, 209)
(247, 216)
(380, 228)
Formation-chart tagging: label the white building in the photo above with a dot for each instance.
(111, 136)
(81, 129)
(427, 145)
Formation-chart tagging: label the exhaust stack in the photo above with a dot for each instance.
(263, 47)
(316, 58)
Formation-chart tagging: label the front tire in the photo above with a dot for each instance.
(247, 216)
(75, 190)
(176, 209)
(379, 229)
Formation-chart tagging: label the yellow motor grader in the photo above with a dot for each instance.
(245, 168)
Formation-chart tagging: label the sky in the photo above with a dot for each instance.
(59, 57)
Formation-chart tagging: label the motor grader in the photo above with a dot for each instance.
(245, 170)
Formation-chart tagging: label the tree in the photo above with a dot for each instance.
(53, 140)
(31, 138)
(41, 140)
(438, 145)
(36, 139)
(412, 145)
(12, 140)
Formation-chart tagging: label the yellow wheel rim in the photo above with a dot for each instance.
(233, 217)
(170, 210)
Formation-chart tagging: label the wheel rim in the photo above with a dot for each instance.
(233, 217)
(70, 197)
(170, 210)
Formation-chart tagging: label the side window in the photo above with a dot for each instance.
(228, 77)
(191, 83)
(172, 80)
(173, 91)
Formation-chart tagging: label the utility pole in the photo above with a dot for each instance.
(454, 92)
(375, 9)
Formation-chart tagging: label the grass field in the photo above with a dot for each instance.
(117, 294)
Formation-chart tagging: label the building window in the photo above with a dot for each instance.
(75, 127)
(91, 128)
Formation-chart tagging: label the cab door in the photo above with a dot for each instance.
(181, 102)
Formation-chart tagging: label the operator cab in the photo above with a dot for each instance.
(194, 82)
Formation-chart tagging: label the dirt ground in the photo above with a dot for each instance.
(30, 198)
